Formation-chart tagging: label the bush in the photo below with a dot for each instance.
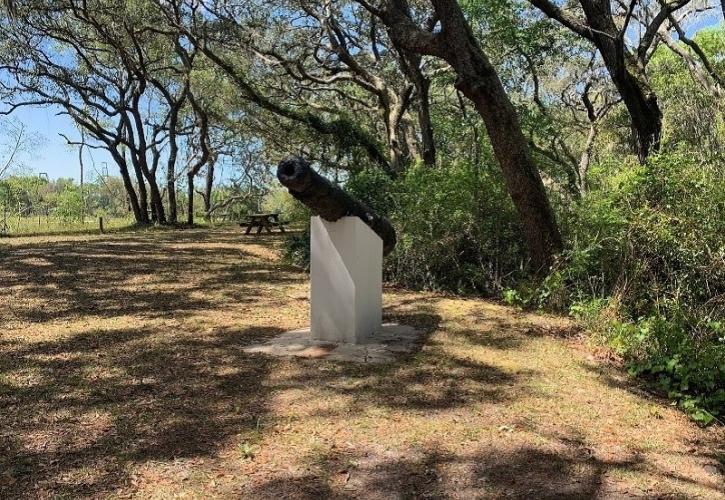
(69, 204)
(645, 268)
(278, 200)
(457, 228)
(296, 248)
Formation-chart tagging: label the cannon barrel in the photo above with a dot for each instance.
(328, 201)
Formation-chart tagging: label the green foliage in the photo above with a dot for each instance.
(512, 297)
(373, 187)
(457, 229)
(248, 451)
(26, 196)
(693, 115)
(69, 204)
(689, 368)
(278, 200)
(296, 249)
(645, 268)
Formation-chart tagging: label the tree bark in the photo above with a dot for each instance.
(479, 82)
(628, 77)
(424, 122)
(206, 154)
(208, 186)
(171, 167)
(139, 149)
(171, 193)
(140, 216)
(410, 63)
(142, 193)
(585, 160)
(626, 70)
(175, 104)
(190, 194)
(157, 203)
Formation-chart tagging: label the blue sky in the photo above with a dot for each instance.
(53, 155)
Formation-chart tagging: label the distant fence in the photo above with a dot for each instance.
(42, 224)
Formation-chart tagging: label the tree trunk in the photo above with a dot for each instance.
(157, 203)
(173, 153)
(640, 100)
(209, 184)
(140, 216)
(478, 80)
(585, 160)
(171, 183)
(171, 190)
(629, 78)
(426, 128)
(139, 151)
(392, 114)
(142, 193)
(626, 69)
(190, 195)
(520, 174)
(410, 64)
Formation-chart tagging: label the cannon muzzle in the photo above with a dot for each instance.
(329, 201)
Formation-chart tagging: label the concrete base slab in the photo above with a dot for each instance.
(383, 346)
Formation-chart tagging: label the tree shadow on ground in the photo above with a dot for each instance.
(507, 335)
(429, 380)
(84, 408)
(197, 233)
(131, 276)
(126, 399)
(81, 412)
(564, 469)
(527, 472)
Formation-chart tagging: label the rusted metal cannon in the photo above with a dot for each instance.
(329, 201)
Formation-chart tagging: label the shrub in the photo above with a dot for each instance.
(278, 200)
(69, 204)
(296, 248)
(457, 228)
(646, 268)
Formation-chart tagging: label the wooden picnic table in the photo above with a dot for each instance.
(262, 221)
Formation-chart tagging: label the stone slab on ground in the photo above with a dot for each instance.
(383, 346)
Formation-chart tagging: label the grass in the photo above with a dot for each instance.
(42, 225)
(122, 375)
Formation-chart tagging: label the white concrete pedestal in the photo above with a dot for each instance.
(346, 273)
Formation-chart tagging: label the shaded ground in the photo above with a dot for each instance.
(122, 374)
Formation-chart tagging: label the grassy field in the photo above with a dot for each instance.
(122, 375)
(28, 226)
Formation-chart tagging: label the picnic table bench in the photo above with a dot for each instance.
(262, 221)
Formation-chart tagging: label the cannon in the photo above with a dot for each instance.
(328, 201)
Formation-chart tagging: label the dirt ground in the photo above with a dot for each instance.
(122, 375)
